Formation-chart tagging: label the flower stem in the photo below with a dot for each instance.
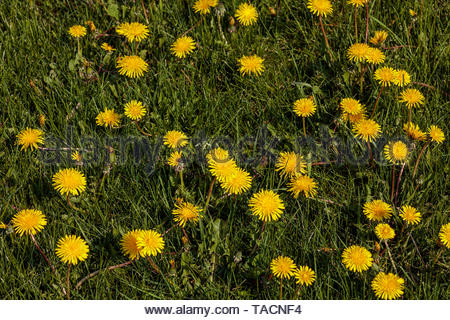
(304, 129)
(370, 151)
(325, 36)
(140, 129)
(393, 182)
(193, 27)
(281, 289)
(418, 158)
(43, 254)
(181, 180)
(145, 11)
(356, 24)
(367, 21)
(68, 282)
(398, 182)
(152, 263)
(376, 101)
(409, 116)
(73, 206)
(93, 274)
(208, 197)
(390, 256)
(297, 292)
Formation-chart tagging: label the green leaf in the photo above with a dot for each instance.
(113, 9)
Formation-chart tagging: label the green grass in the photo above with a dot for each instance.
(205, 93)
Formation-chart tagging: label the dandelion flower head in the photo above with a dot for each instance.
(183, 46)
(133, 31)
(30, 138)
(246, 14)
(357, 259)
(135, 110)
(283, 267)
(266, 205)
(377, 210)
(69, 181)
(290, 163)
(72, 249)
(304, 275)
(28, 221)
(251, 64)
(304, 107)
(388, 286)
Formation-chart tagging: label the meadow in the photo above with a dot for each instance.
(227, 254)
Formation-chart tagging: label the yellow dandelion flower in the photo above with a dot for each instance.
(354, 118)
(266, 205)
(132, 66)
(283, 267)
(304, 107)
(150, 243)
(76, 156)
(412, 98)
(129, 244)
(77, 31)
(28, 221)
(175, 139)
(357, 3)
(388, 286)
(30, 138)
(290, 163)
(384, 231)
(357, 259)
(412, 13)
(304, 275)
(251, 64)
(401, 78)
(69, 181)
(367, 129)
(183, 46)
(42, 120)
(357, 52)
(246, 14)
(135, 110)
(223, 170)
(377, 210)
(444, 235)
(133, 31)
(91, 25)
(375, 56)
(239, 182)
(302, 183)
(186, 211)
(107, 47)
(72, 249)
(385, 76)
(379, 37)
(396, 152)
(108, 118)
(414, 132)
(221, 165)
(217, 155)
(2, 225)
(410, 215)
(320, 7)
(174, 159)
(204, 6)
(436, 134)
(351, 106)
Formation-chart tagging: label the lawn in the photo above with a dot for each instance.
(227, 254)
